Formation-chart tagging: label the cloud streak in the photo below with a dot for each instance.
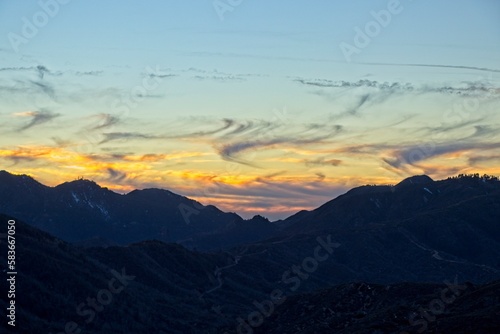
(106, 121)
(111, 136)
(473, 68)
(412, 155)
(465, 88)
(37, 118)
(232, 151)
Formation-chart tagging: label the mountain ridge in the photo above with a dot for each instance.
(379, 237)
(82, 210)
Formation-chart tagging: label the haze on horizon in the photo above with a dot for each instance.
(256, 107)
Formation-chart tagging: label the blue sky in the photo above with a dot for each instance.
(253, 99)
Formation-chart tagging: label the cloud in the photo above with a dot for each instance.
(37, 118)
(88, 73)
(474, 68)
(220, 78)
(362, 100)
(115, 175)
(153, 157)
(274, 197)
(42, 71)
(450, 127)
(356, 84)
(60, 142)
(412, 155)
(17, 68)
(221, 129)
(161, 76)
(26, 154)
(322, 162)
(217, 75)
(465, 88)
(19, 159)
(484, 131)
(477, 159)
(309, 134)
(227, 123)
(39, 69)
(126, 136)
(320, 176)
(106, 121)
(27, 88)
(44, 87)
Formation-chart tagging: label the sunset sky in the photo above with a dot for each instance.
(260, 107)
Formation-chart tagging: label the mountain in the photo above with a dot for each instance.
(361, 263)
(411, 232)
(144, 287)
(164, 288)
(359, 308)
(375, 205)
(82, 211)
(419, 230)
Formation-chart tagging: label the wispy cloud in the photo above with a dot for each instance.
(461, 67)
(106, 121)
(306, 134)
(116, 175)
(355, 84)
(478, 159)
(42, 71)
(161, 76)
(88, 73)
(127, 136)
(27, 88)
(322, 162)
(36, 118)
(463, 88)
(39, 69)
(44, 87)
(412, 155)
(443, 128)
(271, 195)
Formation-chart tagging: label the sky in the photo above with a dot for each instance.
(255, 106)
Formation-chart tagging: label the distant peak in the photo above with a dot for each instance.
(5, 173)
(152, 191)
(83, 181)
(80, 183)
(22, 177)
(260, 218)
(415, 180)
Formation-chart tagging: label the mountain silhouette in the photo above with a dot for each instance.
(360, 263)
(82, 211)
